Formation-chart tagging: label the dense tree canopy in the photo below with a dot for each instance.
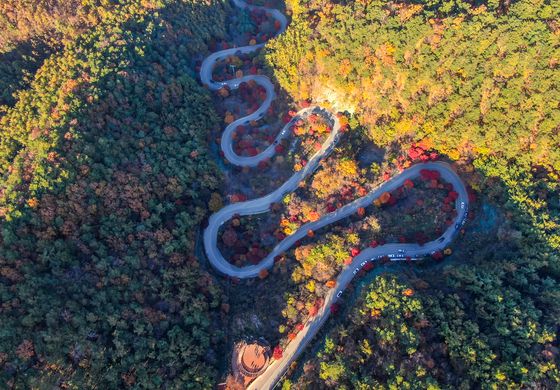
(476, 82)
(50, 20)
(401, 337)
(31, 30)
(105, 178)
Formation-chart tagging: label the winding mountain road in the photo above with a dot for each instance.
(395, 251)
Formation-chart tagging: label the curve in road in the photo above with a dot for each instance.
(396, 251)
(206, 77)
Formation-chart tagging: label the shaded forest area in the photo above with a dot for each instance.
(32, 30)
(105, 179)
(476, 83)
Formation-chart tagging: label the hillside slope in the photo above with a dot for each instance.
(475, 82)
(31, 30)
(105, 178)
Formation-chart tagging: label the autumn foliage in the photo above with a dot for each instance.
(105, 177)
(277, 353)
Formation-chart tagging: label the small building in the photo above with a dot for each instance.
(250, 359)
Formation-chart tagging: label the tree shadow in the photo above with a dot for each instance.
(18, 67)
(98, 280)
(503, 271)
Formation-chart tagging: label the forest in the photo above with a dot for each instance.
(476, 82)
(110, 167)
(105, 178)
(31, 30)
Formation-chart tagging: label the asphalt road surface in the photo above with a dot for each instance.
(395, 252)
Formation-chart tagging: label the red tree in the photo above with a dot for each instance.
(437, 255)
(408, 184)
(277, 353)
